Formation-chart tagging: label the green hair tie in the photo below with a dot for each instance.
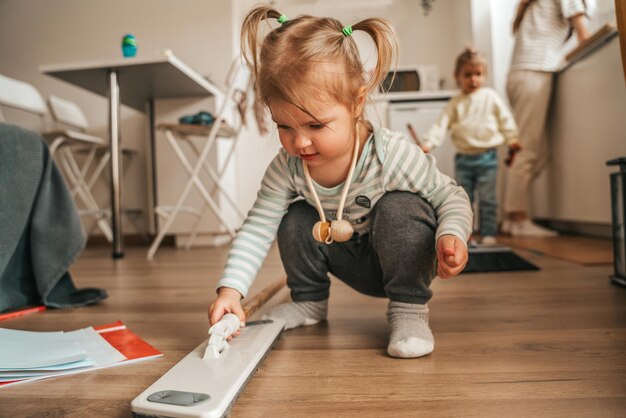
(347, 31)
(282, 19)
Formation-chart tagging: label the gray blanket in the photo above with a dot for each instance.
(40, 230)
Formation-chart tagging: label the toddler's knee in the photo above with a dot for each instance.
(403, 222)
(403, 210)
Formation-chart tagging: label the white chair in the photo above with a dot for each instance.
(228, 123)
(22, 96)
(16, 94)
(67, 142)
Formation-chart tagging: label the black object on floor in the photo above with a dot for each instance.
(488, 259)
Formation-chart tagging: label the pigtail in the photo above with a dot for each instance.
(250, 38)
(384, 38)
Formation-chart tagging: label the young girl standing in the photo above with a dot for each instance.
(479, 122)
(341, 197)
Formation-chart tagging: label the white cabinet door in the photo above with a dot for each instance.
(586, 128)
(422, 115)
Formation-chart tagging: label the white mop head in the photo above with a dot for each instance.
(199, 388)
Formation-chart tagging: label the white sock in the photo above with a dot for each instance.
(296, 314)
(489, 240)
(410, 334)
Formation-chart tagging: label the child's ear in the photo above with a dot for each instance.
(359, 103)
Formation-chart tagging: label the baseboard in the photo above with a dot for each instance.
(585, 229)
(130, 240)
(177, 241)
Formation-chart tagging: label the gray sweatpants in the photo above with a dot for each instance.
(397, 259)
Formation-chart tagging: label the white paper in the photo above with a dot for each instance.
(41, 351)
(32, 350)
(99, 353)
(47, 369)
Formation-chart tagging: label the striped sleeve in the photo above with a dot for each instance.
(407, 168)
(258, 231)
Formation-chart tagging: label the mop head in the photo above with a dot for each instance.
(207, 387)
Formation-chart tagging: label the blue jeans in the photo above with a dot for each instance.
(477, 175)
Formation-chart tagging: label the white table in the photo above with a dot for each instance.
(133, 82)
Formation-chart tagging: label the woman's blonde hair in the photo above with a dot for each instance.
(469, 56)
(297, 57)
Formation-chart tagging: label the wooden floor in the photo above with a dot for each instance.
(550, 343)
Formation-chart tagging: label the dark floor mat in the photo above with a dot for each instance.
(488, 259)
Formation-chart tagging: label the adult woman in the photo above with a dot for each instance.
(540, 28)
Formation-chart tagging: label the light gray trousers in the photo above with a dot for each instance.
(529, 94)
(397, 259)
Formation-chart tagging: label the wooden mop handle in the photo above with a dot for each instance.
(263, 296)
(414, 134)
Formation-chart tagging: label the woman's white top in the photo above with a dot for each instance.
(542, 33)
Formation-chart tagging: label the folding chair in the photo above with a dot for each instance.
(65, 144)
(97, 152)
(228, 123)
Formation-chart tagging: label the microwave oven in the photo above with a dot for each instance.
(412, 78)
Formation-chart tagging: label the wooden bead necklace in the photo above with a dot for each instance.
(339, 230)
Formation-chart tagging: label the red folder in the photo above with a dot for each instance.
(127, 342)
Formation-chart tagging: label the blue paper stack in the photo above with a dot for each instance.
(26, 355)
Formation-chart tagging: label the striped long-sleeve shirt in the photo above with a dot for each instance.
(389, 162)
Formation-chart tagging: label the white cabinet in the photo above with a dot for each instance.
(587, 127)
(421, 110)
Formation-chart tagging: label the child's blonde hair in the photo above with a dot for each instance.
(288, 60)
(469, 56)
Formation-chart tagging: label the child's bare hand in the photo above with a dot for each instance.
(451, 256)
(228, 301)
